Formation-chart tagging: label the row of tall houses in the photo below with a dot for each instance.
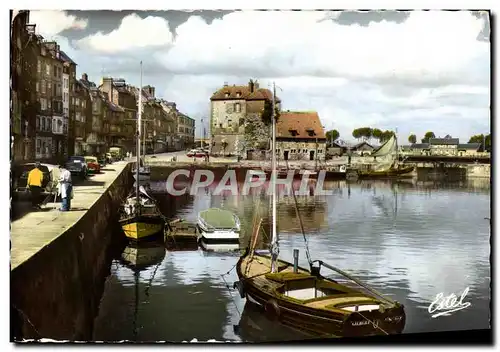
(299, 135)
(56, 114)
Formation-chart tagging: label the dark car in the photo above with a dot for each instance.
(77, 166)
(20, 177)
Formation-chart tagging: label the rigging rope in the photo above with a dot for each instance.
(300, 221)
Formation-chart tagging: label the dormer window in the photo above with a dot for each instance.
(226, 94)
(310, 132)
(238, 94)
(294, 132)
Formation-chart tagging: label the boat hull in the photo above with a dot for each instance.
(142, 227)
(218, 240)
(402, 172)
(317, 322)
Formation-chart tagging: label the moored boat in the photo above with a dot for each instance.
(219, 229)
(140, 217)
(306, 300)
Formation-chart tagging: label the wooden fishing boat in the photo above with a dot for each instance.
(305, 299)
(401, 171)
(218, 228)
(140, 217)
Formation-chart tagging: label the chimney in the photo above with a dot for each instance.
(225, 84)
(256, 85)
(251, 86)
(85, 77)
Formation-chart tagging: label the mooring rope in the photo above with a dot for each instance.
(300, 221)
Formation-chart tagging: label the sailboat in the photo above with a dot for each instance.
(388, 162)
(140, 217)
(144, 173)
(306, 300)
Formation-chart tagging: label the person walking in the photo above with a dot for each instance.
(34, 183)
(66, 188)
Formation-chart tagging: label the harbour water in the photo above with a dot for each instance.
(409, 240)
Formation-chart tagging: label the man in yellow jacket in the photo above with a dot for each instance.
(35, 179)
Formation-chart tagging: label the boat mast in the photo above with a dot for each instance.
(138, 152)
(274, 242)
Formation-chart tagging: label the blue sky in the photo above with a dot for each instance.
(414, 71)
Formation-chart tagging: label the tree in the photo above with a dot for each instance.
(377, 133)
(256, 132)
(412, 138)
(267, 112)
(386, 135)
(366, 133)
(332, 135)
(356, 133)
(428, 135)
(485, 141)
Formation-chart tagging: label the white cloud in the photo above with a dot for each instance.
(427, 46)
(134, 32)
(51, 22)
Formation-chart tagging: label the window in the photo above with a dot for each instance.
(49, 87)
(38, 123)
(43, 86)
(39, 66)
(37, 86)
(73, 101)
(43, 124)
(83, 104)
(226, 95)
(56, 71)
(49, 104)
(237, 107)
(47, 69)
(38, 146)
(238, 94)
(43, 104)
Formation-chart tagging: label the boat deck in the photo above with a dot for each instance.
(258, 268)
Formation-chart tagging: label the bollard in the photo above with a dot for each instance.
(295, 260)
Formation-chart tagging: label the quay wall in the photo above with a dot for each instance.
(56, 292)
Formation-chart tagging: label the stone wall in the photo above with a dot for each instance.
(301, 150)
(56, 293)
(479, 170)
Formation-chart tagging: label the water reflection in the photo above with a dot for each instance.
(408, 239)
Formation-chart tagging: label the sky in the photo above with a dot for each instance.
(413, 71)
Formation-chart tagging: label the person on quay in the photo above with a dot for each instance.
(34, 183)
(66, 188)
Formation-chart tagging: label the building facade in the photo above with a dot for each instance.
(81, 105)
(25, 49)
(185, 128)
(68, 89)
(300, 136)
(119, 93)
(229, 108)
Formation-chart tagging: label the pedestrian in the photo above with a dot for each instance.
(34, 184)
(66, 188)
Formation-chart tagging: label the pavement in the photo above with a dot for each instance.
(165, 159)
(32, 230)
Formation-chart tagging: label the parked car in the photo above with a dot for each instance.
(77, 166)
(92, 164)
(20, 178)
(197, 153)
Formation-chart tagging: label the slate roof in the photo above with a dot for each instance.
(444, 141)
(245, 93)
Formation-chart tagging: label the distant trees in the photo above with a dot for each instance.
(481, 138)
(268, 112)
(412, 138)
(428, 135)
(332, 135)
(368, 133)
